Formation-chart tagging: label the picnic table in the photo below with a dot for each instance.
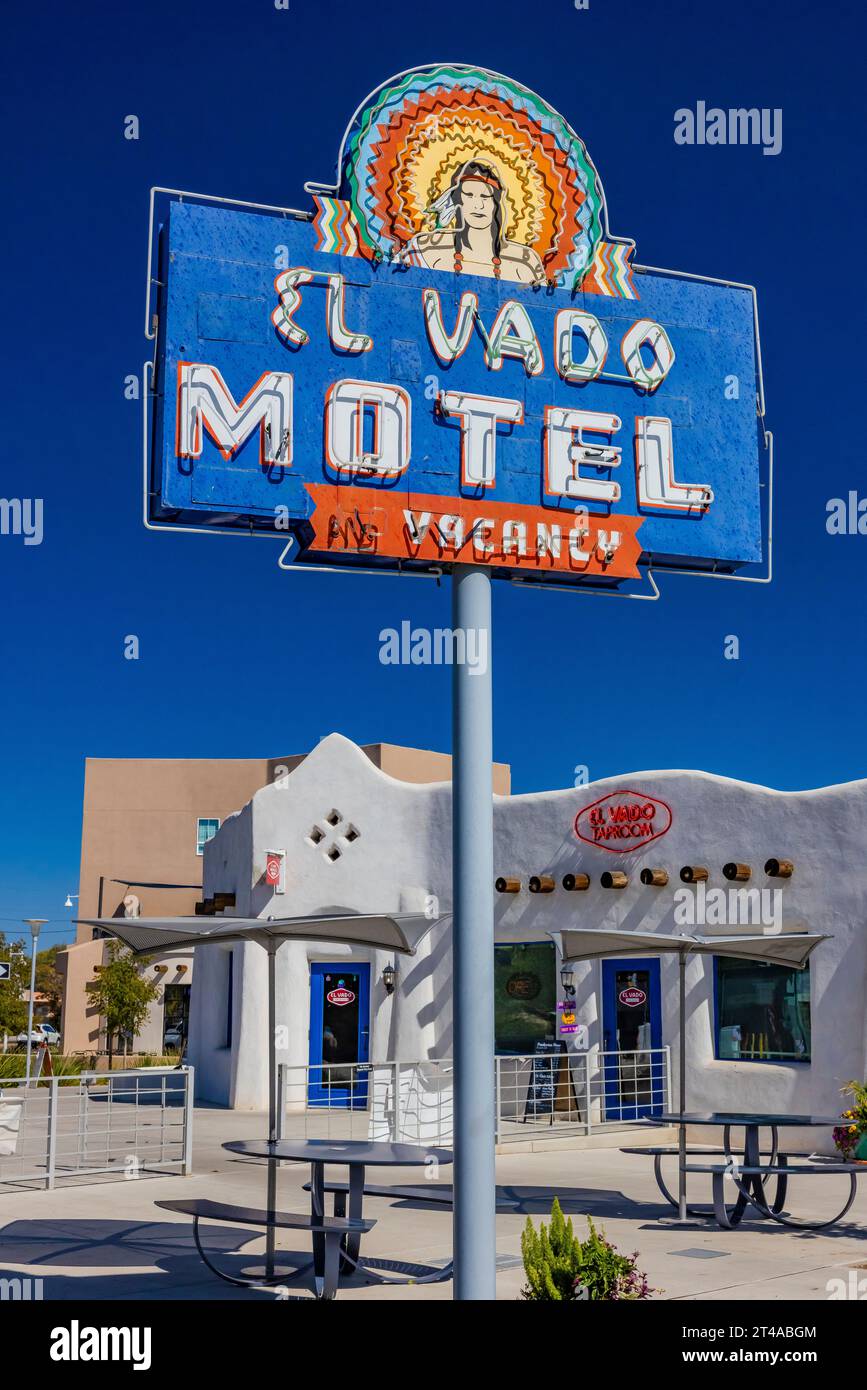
(748, 1172)
(356, 1155)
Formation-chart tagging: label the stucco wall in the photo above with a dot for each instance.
(139, 824)
(402, 854)
(139, 817)
(80, 1021)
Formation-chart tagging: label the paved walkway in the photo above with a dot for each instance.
(107, 1240)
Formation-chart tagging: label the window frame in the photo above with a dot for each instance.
(554, 957)
(756, 1061)
(200, 843)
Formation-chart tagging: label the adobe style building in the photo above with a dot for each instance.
(353, 836)
(145, 823)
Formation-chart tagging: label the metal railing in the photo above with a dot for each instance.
(124, 1122)
(546, 1096)
(538, 1096)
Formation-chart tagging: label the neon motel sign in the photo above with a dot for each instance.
(451, 359)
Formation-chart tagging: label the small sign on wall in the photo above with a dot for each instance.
(275, 875)
(340, 997)
(632, 998)
(577, 1031)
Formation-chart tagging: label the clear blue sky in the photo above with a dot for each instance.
(247, 101)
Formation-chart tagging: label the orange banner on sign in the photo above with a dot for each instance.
(436, 529)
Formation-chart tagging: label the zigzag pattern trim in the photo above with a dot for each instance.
(610, 272)
(335, 226)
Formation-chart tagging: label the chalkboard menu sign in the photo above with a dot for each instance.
(550, 1088)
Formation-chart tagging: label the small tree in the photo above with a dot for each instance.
(122, 995)
(50, 982)
(13, 1009)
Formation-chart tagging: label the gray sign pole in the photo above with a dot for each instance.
(473, 939)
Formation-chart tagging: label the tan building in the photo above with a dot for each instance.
(144, 824)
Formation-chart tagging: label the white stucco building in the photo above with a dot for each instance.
(352, 837)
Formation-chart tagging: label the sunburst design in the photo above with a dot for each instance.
(428, 162)
(406, 144)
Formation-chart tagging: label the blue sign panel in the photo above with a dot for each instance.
(433, 368)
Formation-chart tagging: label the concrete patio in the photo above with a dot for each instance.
(107, 1240)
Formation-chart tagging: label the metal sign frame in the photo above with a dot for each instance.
(650, 565)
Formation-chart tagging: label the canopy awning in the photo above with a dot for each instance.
(396, 931)
(780, 948)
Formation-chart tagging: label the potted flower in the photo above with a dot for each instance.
(851, 1135)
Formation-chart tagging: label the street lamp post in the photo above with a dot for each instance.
(34, 923)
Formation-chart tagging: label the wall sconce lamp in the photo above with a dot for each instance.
(541, 883)
(507, 885)
(779, 868)
(182, 969)
(654, 878)
(160, 969)
(567, 980)
(615, 879)
(693, 873)
(737, 873)
(389, 974)
(576, 883)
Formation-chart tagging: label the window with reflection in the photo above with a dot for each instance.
(525, 995)
(762, 1011)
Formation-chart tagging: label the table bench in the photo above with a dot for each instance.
(329, 1229)
(747, 1171)
(782, 1169)
(672, 1151)
(660, 1151)
(440, 1196)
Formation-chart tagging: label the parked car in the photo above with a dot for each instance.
(173, 1037)
(42, 1032)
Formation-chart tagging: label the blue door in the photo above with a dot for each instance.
(634, 1073)
(339, 1036)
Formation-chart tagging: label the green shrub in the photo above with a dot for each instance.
(14, 1064)
(560, 1268)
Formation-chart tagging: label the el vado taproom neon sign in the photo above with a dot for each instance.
(623, 821)
(451, 358)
